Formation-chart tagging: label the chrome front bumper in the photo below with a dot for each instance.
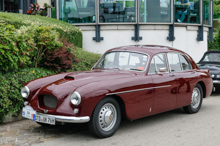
(67, 119)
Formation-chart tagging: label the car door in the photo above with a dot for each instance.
(164, 84)
(184, 75)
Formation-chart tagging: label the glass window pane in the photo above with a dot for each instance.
(155, 11)
(207, 12)
(117, 11)
(174, 62)
(185, 63)
(123, 61)
(152, 69)
(77, 11)
(10, 6)
(187, 11)
(161, 63)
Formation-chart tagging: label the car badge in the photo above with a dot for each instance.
(45, 111)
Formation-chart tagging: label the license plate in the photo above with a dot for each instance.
(28, 112)
(45, 119)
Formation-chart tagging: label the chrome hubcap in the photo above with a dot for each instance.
(107, 117)
(196, 97)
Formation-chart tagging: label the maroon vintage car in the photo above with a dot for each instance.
(130, 81)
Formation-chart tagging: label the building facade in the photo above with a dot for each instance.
(20, 6)
(183, 24)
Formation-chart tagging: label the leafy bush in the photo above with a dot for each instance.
(60, 59)
(10, 86)
(87, 60)
(67, 31)
(14, 48)
(25, 46)
(45, 39)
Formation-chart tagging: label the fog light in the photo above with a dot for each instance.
(75, 111)
(25, 103)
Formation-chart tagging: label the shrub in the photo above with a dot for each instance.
(67, 31)
(25, 46)
(10, 85)
(60, 59)
(87, 60)
(14, 47)
(46, 39)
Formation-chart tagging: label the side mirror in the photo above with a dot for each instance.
(163, 69)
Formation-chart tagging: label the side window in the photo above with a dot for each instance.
(152, 69)
(174, 62)
(185, 63)
(158, 64)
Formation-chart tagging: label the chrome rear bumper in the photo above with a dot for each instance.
(67, 119)
(216, 81)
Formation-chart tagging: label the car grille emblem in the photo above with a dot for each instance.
(45, 111)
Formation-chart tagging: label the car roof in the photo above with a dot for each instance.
(148, 49)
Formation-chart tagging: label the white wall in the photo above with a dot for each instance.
(120, 35)
(41, 2)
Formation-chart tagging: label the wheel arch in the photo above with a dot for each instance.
(202, 84)
(121, 104)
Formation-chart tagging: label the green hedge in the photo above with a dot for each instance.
(10, 86)
(67, 31)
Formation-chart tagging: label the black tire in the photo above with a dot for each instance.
(196, 100)
(106, 118)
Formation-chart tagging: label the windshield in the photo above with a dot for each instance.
(123, 61)
(211, 57)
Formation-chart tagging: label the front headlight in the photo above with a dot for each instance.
(75, 98)
(25, 92)
(217, 76)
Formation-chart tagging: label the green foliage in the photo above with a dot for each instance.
(53, 12)
(67, 31)
(14, 47)
(216, 9)
(10, 86)
(215, 44)
(25, 46)
(46, 39)
(87, 60)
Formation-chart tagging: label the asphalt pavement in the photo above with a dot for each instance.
(173, 128)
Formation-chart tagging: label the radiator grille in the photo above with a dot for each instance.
(50, 101)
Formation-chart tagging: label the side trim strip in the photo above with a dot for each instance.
(138, 90)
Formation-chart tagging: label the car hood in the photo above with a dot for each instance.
(213, 68)
(66, 85)
(79, 79)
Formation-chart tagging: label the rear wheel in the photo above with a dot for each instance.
(196, 100)
(106, 118)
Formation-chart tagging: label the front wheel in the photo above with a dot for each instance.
(196, 100)
(106, 118)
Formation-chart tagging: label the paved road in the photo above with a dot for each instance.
(174, 128)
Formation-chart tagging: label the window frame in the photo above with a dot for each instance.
(157, 72)
(179, 62)
(146, 23)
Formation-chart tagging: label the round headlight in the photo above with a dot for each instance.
(75, 98)
(217, 76)
(25, 92)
